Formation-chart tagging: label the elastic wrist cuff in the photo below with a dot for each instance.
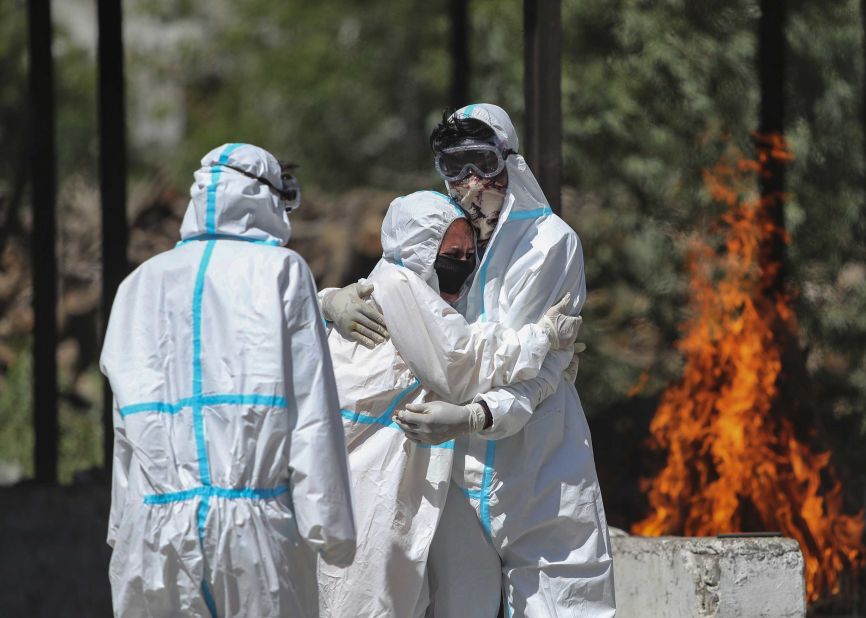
(488, 416)
(477, 417)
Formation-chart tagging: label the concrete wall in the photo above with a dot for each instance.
(676, 577)
(54, 562)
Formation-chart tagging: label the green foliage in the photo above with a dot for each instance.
(75, 94)
(652, 93)
(827, 213)
(13, 92)
(496, 50)
(80, 429)
(16, 424)
(77, 152)
(79, 420)
(345, 89)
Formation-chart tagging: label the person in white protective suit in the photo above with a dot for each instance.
(524, 515)
(399, 486)
(230, 471)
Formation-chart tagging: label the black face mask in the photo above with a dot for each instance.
(452, 272)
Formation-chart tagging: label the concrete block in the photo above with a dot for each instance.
(703, 577)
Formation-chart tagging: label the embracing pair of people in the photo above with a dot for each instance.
(425, 438)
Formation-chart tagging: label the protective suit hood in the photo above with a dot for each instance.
(226, 203)
(413, 229)
(524, 193)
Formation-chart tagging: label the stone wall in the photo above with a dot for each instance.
(54, 562)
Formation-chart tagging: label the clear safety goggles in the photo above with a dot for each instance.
(290, 192)
(456, 162)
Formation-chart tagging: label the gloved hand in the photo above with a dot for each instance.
(560, 327)
(353, 318)
(436, 422)
(569, 374)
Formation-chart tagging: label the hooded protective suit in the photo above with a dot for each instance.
(399, 487)
(230, 467)
(530, 477)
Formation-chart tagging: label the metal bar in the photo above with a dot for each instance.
(458, 13)
(542, 38)
(43, 179)
(860, 230)
(112, 176)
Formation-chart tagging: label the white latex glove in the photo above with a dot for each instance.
(560, 327)
(569, 374)
(354, 318)
(436, 422)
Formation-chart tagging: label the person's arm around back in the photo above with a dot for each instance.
(560, 271)
(317, 452)
(454, 359)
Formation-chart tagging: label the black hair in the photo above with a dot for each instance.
(452, 131)
(287, 168)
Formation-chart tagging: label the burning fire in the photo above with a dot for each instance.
(733, 460)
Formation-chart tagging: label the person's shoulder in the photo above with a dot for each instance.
(279, 258)
(554, 232)
(553, 224)
(389, 278)
(288, 267)
(287, 256)
(155, 267)
(388, 273)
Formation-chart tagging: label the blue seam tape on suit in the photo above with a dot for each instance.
(229, 493)
(216, 171)
(198, 416)
(366, 419)
(271, 242)
(208, 599)
(512, 216)
(390, 409)
(446, 445)
(482, 273)
(530, 214)
(201, 517)
(451, 201)
(161, 407)
(197, 370)
(210, 213)
(385, 418)
(272, 401)
(483, 494)
(227, 399)
(471, 493)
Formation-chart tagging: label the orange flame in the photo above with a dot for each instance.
(732, 460)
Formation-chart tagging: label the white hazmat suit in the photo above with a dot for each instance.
(530, 477)
(230, 468)
(399, 487)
